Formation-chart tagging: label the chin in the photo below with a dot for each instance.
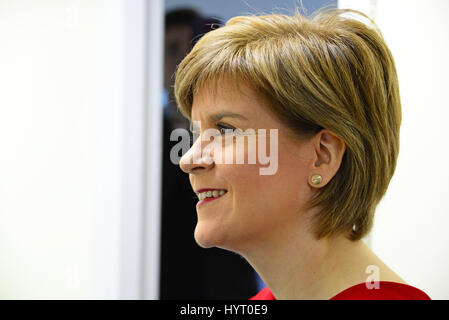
(207, 237)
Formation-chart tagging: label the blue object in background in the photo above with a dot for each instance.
(259, 281)
(164, 98)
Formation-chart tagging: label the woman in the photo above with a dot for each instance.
(326, 88)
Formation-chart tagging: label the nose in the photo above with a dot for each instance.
(197, 158)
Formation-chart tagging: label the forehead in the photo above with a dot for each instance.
(226, 96)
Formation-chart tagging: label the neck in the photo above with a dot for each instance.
(297, 266)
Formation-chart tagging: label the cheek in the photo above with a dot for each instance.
(242, 178)
(291, 168)
(283, 188)
(252, 193)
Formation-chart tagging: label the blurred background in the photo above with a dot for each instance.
(91, 206)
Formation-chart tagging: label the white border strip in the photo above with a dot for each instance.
(133, 150)
(153, 161)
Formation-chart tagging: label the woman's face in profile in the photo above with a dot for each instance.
(255, 208)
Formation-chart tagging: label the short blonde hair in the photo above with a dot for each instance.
(328, 71)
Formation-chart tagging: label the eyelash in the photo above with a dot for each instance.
(217, 125)
(221, 126)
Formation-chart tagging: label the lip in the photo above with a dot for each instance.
(204, 201)
(207, 189)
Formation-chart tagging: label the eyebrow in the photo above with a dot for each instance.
(223, 114)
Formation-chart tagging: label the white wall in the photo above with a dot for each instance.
(74, 187)
(410, 231)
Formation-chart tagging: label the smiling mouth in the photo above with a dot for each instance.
(209, 196)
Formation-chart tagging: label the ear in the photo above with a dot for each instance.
(327, 156)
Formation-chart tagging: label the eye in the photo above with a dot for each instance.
(224, 128)
(221, 127)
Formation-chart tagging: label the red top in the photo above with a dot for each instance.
(386, 291)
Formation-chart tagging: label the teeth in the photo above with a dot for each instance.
(211, 194)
